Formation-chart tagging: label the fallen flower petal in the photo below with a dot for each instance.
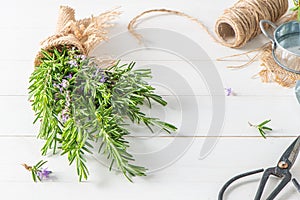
(44, 173)
(228, 91)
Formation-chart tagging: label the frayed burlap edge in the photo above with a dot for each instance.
(271, 71)
(82, 34)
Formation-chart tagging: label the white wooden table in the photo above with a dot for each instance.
(240, 148)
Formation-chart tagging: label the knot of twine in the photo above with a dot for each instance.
(237, 25)
(82, 34)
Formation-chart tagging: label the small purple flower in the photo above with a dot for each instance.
(64, 114)
(43, 173)
(81, 57)
(103, 79)
(65, 118)
(67, 103)
(73, 63)
(64, 83)
(69, 76)
(229, 92)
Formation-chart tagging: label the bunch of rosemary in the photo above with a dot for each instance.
(79, 104)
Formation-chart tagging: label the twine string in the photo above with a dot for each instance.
(258, 52)
(132, 23)
(237, 25)
(240, 23)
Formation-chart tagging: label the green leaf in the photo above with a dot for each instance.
(262, 133)
(34, 177)
(267, 128)
(294, 8)
(264, 122)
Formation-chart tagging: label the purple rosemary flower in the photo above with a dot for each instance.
(228, 91)
(103, 79)
(69, 76)
(64, 83)
(81, 57)
(43, 173)
(64, 118)
(67, 103)
(73, 63)
(65, 112)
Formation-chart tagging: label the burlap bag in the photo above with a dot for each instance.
(83, 34)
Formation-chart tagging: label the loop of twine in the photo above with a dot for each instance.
(237, 25)
(132, 23)
(235, 20)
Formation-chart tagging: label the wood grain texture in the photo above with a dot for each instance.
(181, 175)
(187, 177)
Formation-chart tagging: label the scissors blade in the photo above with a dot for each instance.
(291, 152)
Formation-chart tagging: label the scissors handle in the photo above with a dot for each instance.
(268, 172)
(296, 184)
(228, 183)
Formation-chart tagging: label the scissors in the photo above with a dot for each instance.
(281, 171)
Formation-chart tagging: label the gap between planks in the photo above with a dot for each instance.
(166, 136)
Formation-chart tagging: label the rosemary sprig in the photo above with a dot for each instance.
(79, 103)
(296, 8)
(262, 128)
(37, 172)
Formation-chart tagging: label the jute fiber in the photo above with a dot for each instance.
(240, 23)
(271, 71)
(82, 34)
(237, 26)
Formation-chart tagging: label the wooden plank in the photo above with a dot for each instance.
(28, 29)
(184, 112)
(186, 177)
(190, 79)
(176, 172)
